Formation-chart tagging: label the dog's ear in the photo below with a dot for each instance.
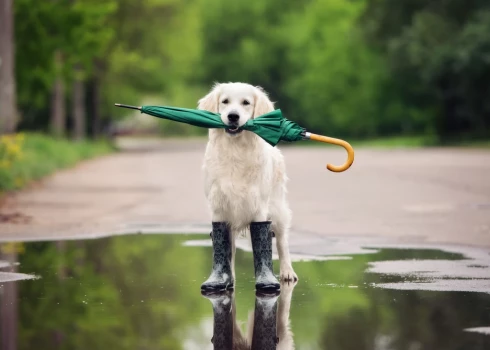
(262, 103)
(210, 101)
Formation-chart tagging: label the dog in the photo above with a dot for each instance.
(268, 321)
(245, 177)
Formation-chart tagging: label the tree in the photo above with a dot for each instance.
(60, 35)
(337, 81)
(78, 104)
(58, 105)
(437, 53)
(309, 56)
(8, 101)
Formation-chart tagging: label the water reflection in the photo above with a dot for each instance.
(268, 324)
(143, 292)
(9, 302)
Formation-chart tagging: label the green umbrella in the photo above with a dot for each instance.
(272, 127)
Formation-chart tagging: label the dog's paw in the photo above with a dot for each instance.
(287, 274)
(287, 288)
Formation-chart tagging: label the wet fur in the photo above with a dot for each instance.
(245, 177)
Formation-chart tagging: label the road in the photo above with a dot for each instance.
(402, 195)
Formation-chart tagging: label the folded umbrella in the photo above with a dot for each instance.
(272, 127)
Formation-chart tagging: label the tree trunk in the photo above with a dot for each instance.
(78, 105)
(8, 99)
(96, 109)
(58, 110)
(95, 99)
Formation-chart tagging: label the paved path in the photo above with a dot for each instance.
(433, 195)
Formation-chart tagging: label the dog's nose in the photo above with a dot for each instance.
(233, 117)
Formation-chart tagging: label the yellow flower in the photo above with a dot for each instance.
(11, 146)
(13, 149)
(12, 247)
(4, 164)
(18, 182)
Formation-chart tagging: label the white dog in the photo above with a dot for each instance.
(268, 316)
(245, 177)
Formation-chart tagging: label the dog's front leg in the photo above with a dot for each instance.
(218, 217)
(261, 236)
(222, 275)
(284, 332)
(286, 268)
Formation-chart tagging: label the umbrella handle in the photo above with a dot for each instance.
(338, 142)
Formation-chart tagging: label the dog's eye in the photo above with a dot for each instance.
(245, 103)
(225, 101)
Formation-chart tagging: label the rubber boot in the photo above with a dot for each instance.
(222, 319)
(221, 277)
(264, 335)
(262, 251)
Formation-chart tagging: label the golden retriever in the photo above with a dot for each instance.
(245, 177)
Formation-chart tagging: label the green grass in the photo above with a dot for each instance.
(405, 142)
(478, 143)
(395, 142)
(41, 155)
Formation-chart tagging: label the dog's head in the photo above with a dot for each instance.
(237, 103)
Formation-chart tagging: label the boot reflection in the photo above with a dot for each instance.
(268, 324)
(223, 318)
(264, 336)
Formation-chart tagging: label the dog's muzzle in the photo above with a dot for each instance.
(233, 126)
(233, 130)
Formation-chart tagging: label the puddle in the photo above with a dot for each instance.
(143, 292)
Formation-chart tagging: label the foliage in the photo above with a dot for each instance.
(338, 82)
(359, 69)
(27, 157)
(439, 53)
(76, 28)
(10, 154)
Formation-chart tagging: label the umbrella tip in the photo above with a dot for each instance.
(126, 106)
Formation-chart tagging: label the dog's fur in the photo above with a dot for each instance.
(245, 177)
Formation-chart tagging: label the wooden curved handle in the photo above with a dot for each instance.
(338, 142)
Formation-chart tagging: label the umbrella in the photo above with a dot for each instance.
(272, 127)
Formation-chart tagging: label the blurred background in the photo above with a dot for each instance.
(391, 72)
(416, 71)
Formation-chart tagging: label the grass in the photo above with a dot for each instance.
(407, 142)
(395, 142)
(28, 157)
(478, 143)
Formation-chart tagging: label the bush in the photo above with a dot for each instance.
(31, 156)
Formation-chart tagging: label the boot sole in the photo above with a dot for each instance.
(214, 293)
(267, 288)
(267, 294)
(217, 287)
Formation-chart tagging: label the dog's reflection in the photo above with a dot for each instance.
(268, 325)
